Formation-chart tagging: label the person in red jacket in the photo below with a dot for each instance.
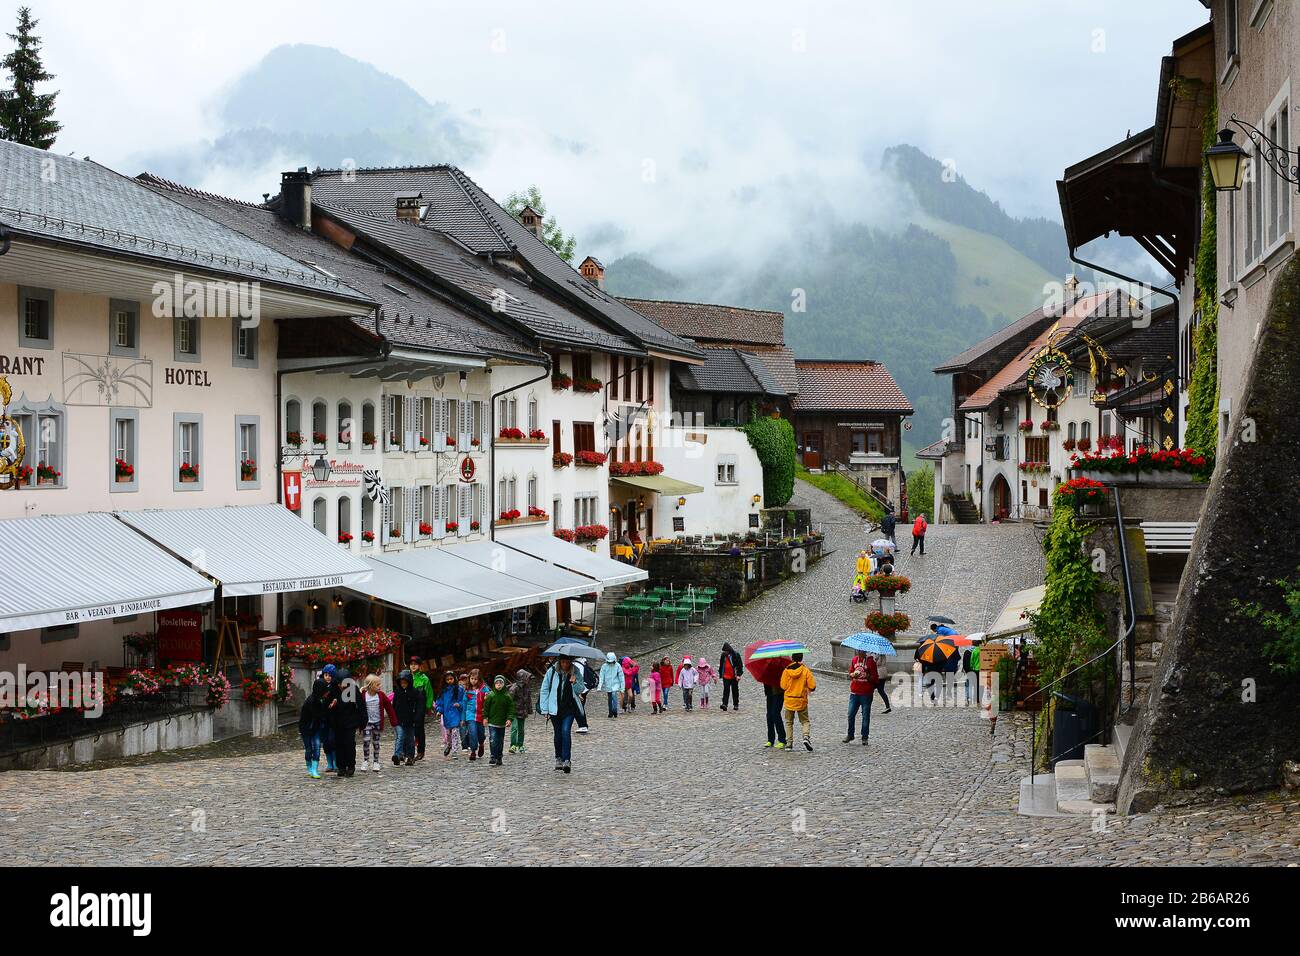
(666, 678)
(863, 678)
(918, 533)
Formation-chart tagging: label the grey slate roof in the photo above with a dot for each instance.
(1018, 333)
(460, 208)
(411, 316)
(707, 322)
(81, 203)
(728, 370)
(440, 257)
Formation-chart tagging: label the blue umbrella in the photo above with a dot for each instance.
(573, 649)
(871, 643)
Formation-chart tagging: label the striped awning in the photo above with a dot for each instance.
(257, 549)
(72, 569)
(572, 557)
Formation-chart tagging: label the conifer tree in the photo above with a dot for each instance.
(27, 116)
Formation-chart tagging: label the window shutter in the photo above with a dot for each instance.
(418, 425)
(387, 426)
(440, 424)
(387, 520)
(463, 510)
(466, 423)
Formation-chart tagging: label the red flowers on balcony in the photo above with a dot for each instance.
(629, 468)
(293, 439)
(560, 381)
(588, 385)
(509, 515)
(564, 534)
(473, 526)
(511, 434)
(1051, 426)
(562, 459)
(537, 434)
(426, 529)
(1027, 425)
(368, 537)
(318, 438)
(345, 538)
(590, 532)
(591, 458)
(452, 526)
(535, 512)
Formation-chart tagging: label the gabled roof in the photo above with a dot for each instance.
(82, 204)
(1183, 98)
(705, 322)
(410, 316)
(848, 385)
(933, 451)
(994, 349)
(729, 370)
(461, 209)
(1012, 375)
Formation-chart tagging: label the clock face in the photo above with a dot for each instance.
(1050, 378)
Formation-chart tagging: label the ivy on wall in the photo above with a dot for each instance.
(1203, 392)
(773, 442)
(1068, 623)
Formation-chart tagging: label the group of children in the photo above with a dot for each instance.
(472, 717)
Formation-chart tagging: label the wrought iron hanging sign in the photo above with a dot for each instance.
(13, 446)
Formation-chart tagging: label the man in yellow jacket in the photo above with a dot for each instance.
(797, 682)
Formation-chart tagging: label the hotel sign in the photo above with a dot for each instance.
(343, 474)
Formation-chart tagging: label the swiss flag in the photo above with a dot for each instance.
(293, 490)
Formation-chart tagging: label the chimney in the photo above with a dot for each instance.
(408, 205)
(1071, 290)
(592, 270)
(532, 220)
(295, 198)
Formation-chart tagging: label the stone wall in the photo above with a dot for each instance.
(727, 572)
(173, 732)
(1217, 719)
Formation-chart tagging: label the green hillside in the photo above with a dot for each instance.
(992, 276)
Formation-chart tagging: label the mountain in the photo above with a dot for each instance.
(910, 296)
(312, 105)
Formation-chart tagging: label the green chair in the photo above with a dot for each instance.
(682, 615)
(665, 615)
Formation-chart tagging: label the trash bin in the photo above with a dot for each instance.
(1074, 723)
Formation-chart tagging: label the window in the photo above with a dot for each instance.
(478, 422)
(586, 510)
(319, 423)
(368, 424)
(1085, 431)
(425, 423)
(875, 442)
(394, 422)
(1231, 22)
(293, 436)
(557, 506)
(532, 414)
(557, 433)
(344, 515)
(245, 347)
(532, 491)
(1278, 125)
(1082, 384)
(860, 443)
(36, 308)
(319, 518)
(345, 424)
(123, 472)
(247, 467)
(507, 413)
(185, 339)
(581, 367)
(507, 491)
(726, 469)
(1036, 448)
(367, 519)
(124, 328)
(584, 437)
(43, 430)
(1070, 431)
(187, 459)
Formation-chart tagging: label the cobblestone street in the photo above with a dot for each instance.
(932, 788)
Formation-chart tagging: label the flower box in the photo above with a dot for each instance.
(887, 625)
(368, 537)
(534, 512)
(452, 527)
(395, 533)
(473, 525)
(293, 439)
(473, 442)
(248, 470)
(1051, 426)
(318, 439)
(561, 459)
(508, 515)
(426, 529)
(564, 534)
(591, 532)
(1026, 426)
(368, 439)
(424, 442)
(629, 468)
(123, 471)
(345, 538)
(590, 459)
(450, 441)
(561, 381)
(588, 385)
(189, 473)
(887, 585)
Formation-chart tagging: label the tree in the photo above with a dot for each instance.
(920, 491)
(26, 116)
(552, 235)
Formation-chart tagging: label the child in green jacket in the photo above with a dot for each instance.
(498, 712)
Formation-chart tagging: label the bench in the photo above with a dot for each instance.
(1169, 537)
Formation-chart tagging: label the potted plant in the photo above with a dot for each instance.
(368, 439)
(24, 475)
(473, 442)
(887, 625)
(257, 688)
(536, 434)
(591, 532)
(535, 512)
(564, 534)
(887, 585)
(1027, 425)
(124, 472)
(248, 470)
(368, 537)
(424, 441)
(452, 527)
(510, 434)
(189, 473)
(560, 381)
(293, 439)
(451, 441)
(394, 440)
(1069, 444)
(1051, 426)
(345, 537)
(588, 385)
(425, 529)
(562, 459)
(1083, 444)
(473, 525)
(510, 514)
(591, 459)
(395, 533)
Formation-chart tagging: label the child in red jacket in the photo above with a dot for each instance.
(665, 681)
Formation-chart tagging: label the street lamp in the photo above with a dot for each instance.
(320, 469)
(1227, 162)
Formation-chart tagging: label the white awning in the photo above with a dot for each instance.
(575, 558)
(403, 587)
(70, 569)
(497, 557)
(257, 549)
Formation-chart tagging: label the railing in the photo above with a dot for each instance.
(68, 725)
(1127, 638)
(861, 484)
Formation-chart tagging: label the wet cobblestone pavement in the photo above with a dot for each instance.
(933, 787)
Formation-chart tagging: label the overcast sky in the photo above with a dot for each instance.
(1011, 91)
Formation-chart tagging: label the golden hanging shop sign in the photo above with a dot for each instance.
(13, 446)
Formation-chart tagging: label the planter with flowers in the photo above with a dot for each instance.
(394, 441)
(590, 459)
(590, 532)
(564, 534)
(629, 468)
(345, 440)
(395, 534)
(1027, 425)
(1069, 444)
(887, 585)
(293, 439)
(189, 473)
(588, 385)
(1083, 444)
(508, 516)
(368, 439)
(123, 471)
(1051, 426)
(367, 537)
(473, 442)
(452, 527)
(1143, 465)
(345, 537)
(561, 459)
(517, 436)
(24, 476)
(537, 513)
(47, 474)
(318, 439)
(424, 443)
(560, 381)
(257, 688)
(248, 470)
(474, 526)
(887, 625)
(1085, 494)
(426, 529)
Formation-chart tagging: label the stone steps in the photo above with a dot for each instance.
(1076, 787)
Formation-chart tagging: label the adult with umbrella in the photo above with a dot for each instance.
(864, 677)
(934, 653)
(767, 671)
(888, 523)
(729, 666)
(579, 654)
(561, 702)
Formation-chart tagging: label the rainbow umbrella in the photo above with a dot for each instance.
(767, 669)
(770, 649)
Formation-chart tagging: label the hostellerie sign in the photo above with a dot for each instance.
(180, 636)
